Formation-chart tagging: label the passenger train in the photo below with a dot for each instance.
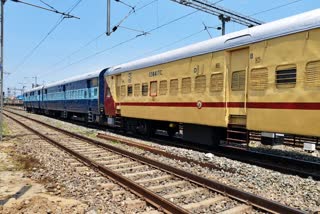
(265, 78)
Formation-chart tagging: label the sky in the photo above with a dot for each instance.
(42, 44)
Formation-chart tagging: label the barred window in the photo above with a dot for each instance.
(123, 91)
(153, 88)
(216, 82)
(163, 87)
(259, 79)
(312, 75)
(286, 76)
(144, 89)
(200, 84)
(174, 87)
(129, 90)
(186, 85)
(136, 90)
(238, 81)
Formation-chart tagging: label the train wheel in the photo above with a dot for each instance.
(171, 132)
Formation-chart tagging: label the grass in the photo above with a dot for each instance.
(6, 130)
(25, 162)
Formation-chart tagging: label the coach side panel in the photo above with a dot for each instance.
(284, 85)
(189, 91)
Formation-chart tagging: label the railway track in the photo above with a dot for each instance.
(278, 163)
(167, 188)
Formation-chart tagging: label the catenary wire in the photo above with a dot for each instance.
(131, 39)
(277, 7)
(33, 50)
(126, 41)
(92, 40)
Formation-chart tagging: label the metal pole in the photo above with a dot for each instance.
(1, 67)
(223, 30)
(224, 19)
(108, 17)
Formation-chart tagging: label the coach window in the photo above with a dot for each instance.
(200, 84)
(94, 82)
(144, 89)
(312, 75)
(174, 87)
(186, 85)
(153, 88)
(129, 91)
(123, 91)
(216, 82)
(137, 90)
(163, 87)
(259, 79)
(286, 76)
(238, 81)
(95, 92)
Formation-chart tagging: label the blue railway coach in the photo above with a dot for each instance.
(77, 97)
(32, 99)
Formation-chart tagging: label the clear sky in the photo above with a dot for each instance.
(77, 46)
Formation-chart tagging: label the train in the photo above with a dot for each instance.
(264, 79)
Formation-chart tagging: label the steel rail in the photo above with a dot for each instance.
(152, 198)
(253, 200)
(230, 152)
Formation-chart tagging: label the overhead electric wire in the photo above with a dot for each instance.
(156, 28)
(126, 4)
(128, 40)
(66, 15)
(168, 45)
(48, 5)
(277, 7)
(60, 20)
(76, 51)
(132, 11)
(96, 38)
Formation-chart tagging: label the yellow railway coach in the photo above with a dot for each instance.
(265, 78)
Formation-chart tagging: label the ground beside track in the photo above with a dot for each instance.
(290, 190)
(15, 173)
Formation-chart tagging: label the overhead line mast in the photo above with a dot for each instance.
(225, 15)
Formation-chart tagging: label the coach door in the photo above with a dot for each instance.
(237, 78)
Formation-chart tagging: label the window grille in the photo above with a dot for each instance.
(136, 90)
(238, 81)
(129, 91)
(163, 87)
(286, 76)
(153, 88)
(312, 75)
(200, 84)
(144, 89)
(259, 79)
(186, 85)
(216, 82)
(174, 87)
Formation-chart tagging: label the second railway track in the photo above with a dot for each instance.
(169, 189)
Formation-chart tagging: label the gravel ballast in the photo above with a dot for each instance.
(303, 194)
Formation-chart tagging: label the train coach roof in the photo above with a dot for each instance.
(34, 89)
(75, 79)
(294, 24)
